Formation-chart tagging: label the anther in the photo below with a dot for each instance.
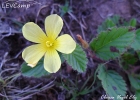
(48, 44)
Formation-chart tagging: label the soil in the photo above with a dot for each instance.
(84, 18)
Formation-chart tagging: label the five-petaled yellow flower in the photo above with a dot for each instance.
(47, 44)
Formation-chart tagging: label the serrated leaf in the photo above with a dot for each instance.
(136, 44)
(77, 59)
(113, 43)
(112, 82)
(37, 71)
(135, 82)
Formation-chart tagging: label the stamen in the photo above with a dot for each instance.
(49, 44)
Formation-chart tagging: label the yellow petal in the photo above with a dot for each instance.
(53, 25)
(52, 61)
(65, 44)
(33, 54)
(33, 33)
(32, 65)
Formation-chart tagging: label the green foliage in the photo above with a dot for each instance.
(138, 53)
(75, 88)
(105, 25)
(111, 44)
(133, 23)
(137, 95)
(65, 9)
(136, 44)
(135, 82)
(77, 59)
(129, 58)
(112, 82)
(37, 71)
(115, 21)
(109, 23)
(112, 41)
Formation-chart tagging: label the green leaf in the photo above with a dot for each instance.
(77, 59)
(37, 71)
(113, 43)
(136, 44)
(138, 53)
(137, 95)
(135, 82)
(133, 22)
(112, 82)
(115, 19)
(107, 24)
(129, 58)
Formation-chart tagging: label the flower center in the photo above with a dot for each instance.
(49, 44)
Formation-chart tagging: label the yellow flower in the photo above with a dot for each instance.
(47, 44)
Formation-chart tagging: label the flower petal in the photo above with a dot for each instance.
(33, 54)
(33, 33)
(53, 25)
(65, 44)
(52, 61)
